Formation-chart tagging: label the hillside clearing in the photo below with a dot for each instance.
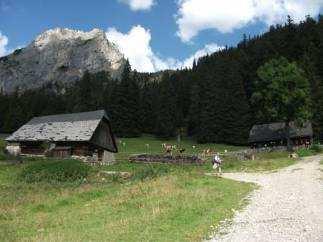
(160, 202)
(177, 206)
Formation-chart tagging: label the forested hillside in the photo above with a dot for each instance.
(211, 102)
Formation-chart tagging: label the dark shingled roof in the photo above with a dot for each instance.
(63, 127)
(71, 117)
(275, 132)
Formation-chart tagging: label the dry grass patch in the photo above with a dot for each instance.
(178, 206)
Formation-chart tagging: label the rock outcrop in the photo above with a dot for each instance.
(61, 56)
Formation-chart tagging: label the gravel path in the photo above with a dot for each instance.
(288, 206)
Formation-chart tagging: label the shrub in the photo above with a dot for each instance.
(316, 148)
(2, 148)
(2, 156)
(55, 171)
(150, 172)
(303, 152)
(2, 145)
(5, 156)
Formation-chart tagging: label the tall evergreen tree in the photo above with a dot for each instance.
(125, 105)
(148, 105)
(194, 111)
(166, 115)
(236, 113)
(14, 116)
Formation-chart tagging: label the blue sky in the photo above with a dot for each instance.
(153, 34)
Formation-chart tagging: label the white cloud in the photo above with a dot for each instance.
(135, 45)
(3, 45)
(227, 15)
(137, 5)
(208, 49)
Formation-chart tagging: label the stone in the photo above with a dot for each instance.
(59, 56)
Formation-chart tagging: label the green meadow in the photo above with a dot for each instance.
(40, 201)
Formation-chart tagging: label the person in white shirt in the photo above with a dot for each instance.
(216, 162)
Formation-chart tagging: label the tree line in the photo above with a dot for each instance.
(211, 102)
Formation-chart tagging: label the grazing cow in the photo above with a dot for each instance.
(207, 152)
(168, 148)
(181, 150)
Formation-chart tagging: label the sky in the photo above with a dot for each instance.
(153, 34)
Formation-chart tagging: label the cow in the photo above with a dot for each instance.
(169, 148)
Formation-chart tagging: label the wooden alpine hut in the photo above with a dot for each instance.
(274, 134)
(86, 135)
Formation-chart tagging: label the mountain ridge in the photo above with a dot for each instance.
(59, 55)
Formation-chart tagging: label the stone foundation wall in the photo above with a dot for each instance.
(168, 159)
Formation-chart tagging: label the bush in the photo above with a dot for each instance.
(316, 148)
(303, 152)
(150, 172)
(55, 171)
(2, 145)
(2, 156)
(2, 148)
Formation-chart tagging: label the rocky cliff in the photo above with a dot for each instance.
(59, 55)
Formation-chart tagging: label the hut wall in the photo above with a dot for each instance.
(62, 152)
(302, 141)
(103, 137)
(81, 150)
(32, 148)
(89, 152)
(108, 157)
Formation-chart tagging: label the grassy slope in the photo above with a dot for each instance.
(139, 145)
(178, 206)
(263, 162)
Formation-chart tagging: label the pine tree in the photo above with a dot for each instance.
(194, 111)
(236, 114)
(3, 110)
(148, 105)
(207, 130)
(83, 93)
(14, 116)
(166, 121)
(125, 105)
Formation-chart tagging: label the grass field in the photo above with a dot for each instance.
(160, 203)
(149, 144)
(264, 161)
(177, 206)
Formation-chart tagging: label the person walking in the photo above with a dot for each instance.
(216, 162)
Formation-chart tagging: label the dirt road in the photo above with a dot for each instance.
(288, 206)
